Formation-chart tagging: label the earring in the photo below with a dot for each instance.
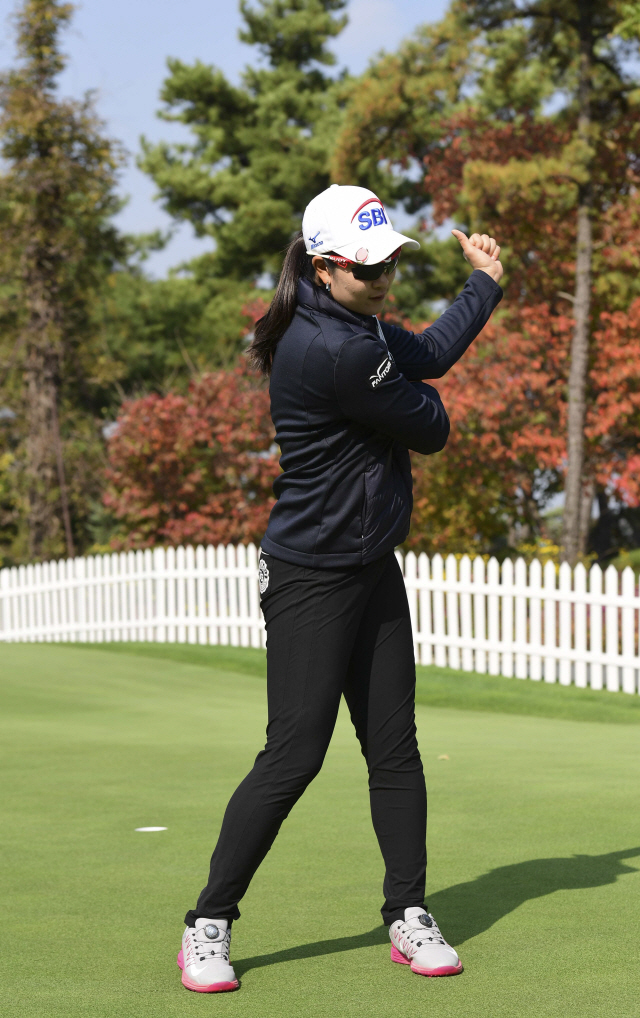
(327, 287)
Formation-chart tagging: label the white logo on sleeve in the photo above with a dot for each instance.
(382, 371)
(263, 575)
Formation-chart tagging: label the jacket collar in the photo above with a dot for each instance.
(316, 298)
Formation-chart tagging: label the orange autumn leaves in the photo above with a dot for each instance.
(194, 468)
(507, 404)
(507, 398)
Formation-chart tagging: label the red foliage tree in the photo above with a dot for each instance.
(504, 399)
(508, 397)
(517, 178)
(613, 426)
(194, 468)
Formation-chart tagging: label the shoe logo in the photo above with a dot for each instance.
(263, 575)
(211, 932)
(381, 373)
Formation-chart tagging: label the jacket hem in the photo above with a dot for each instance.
(320, 561)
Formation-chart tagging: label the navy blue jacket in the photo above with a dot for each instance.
(347, 405)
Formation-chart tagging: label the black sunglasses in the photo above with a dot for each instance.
(368, 271)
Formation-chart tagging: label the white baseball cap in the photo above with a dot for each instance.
(353, 222)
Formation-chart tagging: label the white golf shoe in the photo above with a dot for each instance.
(204, 957)
(418, 942)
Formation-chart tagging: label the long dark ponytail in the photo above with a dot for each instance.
(271, 328)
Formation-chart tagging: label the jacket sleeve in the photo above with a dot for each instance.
(431, 354)
(371, 390)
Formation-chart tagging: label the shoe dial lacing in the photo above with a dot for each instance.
(206, 949)
(425, 933)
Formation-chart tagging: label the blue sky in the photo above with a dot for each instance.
(120, 47)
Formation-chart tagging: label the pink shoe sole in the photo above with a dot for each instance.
(444, 970)
(198, 988)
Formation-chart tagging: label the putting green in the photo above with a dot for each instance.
(534, 852)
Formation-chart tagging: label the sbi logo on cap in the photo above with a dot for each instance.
(370, 217)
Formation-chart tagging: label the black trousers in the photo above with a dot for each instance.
(331, 632)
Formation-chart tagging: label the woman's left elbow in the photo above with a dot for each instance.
(433, 443)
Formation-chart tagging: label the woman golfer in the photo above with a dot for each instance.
(348, 403)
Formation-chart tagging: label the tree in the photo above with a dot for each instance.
(494, 153)
(194, 468)
(391, 119)
(508, 433)
(157, 334)
(261, 151)
(56, 201)
(577, 41)
(8, 508)
(486, 492)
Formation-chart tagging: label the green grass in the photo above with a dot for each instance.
(534, 848)
(436, 687)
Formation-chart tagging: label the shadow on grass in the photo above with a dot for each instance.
(471, 908)
(379, 935)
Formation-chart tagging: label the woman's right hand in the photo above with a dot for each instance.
(482, 252)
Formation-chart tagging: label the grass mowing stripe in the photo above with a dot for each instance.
(246, 660)
(445, 687)
(436, 687)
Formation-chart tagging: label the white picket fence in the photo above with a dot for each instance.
(570, 626)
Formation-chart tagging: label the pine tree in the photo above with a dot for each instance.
(262, 150)
(56, 200)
